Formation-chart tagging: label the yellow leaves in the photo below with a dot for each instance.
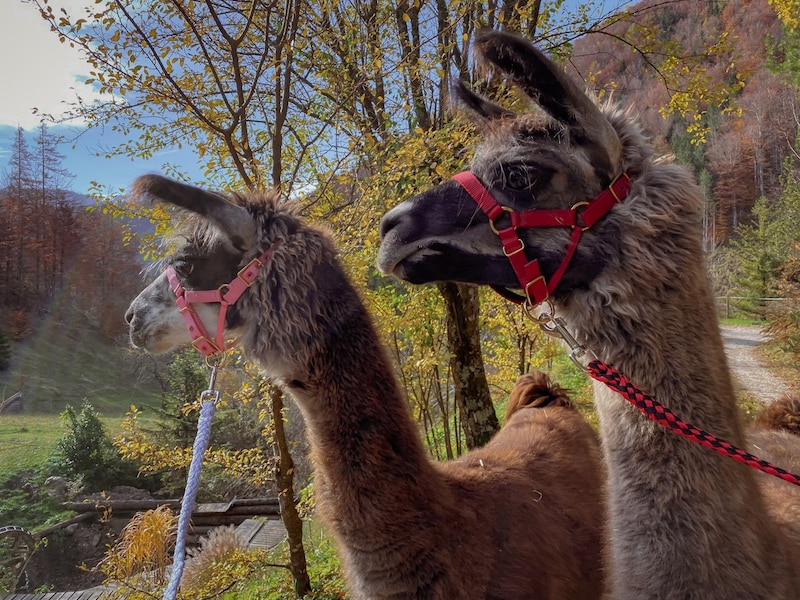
(143, 551)
(788, 12)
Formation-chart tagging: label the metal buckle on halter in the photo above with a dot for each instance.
(613, 183)
(528, 285)
(513, 252)
(253, 262)
(202, 340)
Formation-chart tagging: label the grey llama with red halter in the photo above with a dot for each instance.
(684, 522)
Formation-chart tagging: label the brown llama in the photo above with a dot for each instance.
(520, 518)
(684, 522)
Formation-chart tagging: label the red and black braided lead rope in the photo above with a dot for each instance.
(662, 415)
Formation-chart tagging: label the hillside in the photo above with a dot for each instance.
(748, 139)
(65, 359)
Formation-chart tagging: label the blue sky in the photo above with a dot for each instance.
(38, 71)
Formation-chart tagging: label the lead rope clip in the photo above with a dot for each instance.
(555, 326)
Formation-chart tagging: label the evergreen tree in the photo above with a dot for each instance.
(186, 377)
(19, 182)
(86, 454)
(765, 247)
(5, 350)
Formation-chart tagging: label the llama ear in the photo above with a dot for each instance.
(233, 220)
(479, 107)
(545, 83)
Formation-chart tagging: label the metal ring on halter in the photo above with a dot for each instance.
(217, 360)
(574, 209)
(491, 221)
(528, 307)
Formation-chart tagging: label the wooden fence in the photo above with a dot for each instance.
(726, 305)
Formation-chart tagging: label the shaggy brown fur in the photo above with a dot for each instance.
(783, 413)
(520, 518)
(684, 522)
(535, 390)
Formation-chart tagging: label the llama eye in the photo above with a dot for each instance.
(183, 267)
(516, 178)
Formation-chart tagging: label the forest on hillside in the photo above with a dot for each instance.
(746, 139)
(52, 247)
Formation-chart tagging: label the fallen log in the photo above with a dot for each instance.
(121, 506)
(43, 533)
(244, 506)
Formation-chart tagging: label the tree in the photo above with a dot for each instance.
(5, 350)
(219, 76)
(37, 221)
(53, 182)
(86, 454)
(20, 182)
(765, 250)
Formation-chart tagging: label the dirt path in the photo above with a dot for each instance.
(750, 375)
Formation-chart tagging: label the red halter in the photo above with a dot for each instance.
(225, 295)
(580, 217)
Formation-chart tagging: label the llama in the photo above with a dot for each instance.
(683, 521)
(520, 518)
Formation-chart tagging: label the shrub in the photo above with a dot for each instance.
(137, 563)
(86, 454)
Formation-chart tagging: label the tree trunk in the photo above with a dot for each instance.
(284, 478)
(469, 376)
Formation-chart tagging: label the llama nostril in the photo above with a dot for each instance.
(393, 219)
(387, 223)
(129, 316)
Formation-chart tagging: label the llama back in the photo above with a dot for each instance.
(539, 460)
(774, 435)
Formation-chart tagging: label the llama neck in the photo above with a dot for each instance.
(667, 342)
(660, 329)
(367, 453)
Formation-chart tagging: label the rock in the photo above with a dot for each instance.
(57, 488)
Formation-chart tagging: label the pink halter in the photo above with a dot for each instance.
(225, 296)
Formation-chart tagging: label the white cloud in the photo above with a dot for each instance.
(36, 70)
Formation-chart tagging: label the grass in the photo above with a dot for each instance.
(26, 441)
(64, 361)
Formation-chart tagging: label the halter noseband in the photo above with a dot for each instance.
(580, 217)
(225, 296)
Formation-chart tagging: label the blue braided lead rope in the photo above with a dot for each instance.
(190, 493)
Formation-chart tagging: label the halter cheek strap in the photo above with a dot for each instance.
(225, 296)
(579, 218)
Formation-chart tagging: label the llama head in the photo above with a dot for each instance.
(554, 160)
(219, 238)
